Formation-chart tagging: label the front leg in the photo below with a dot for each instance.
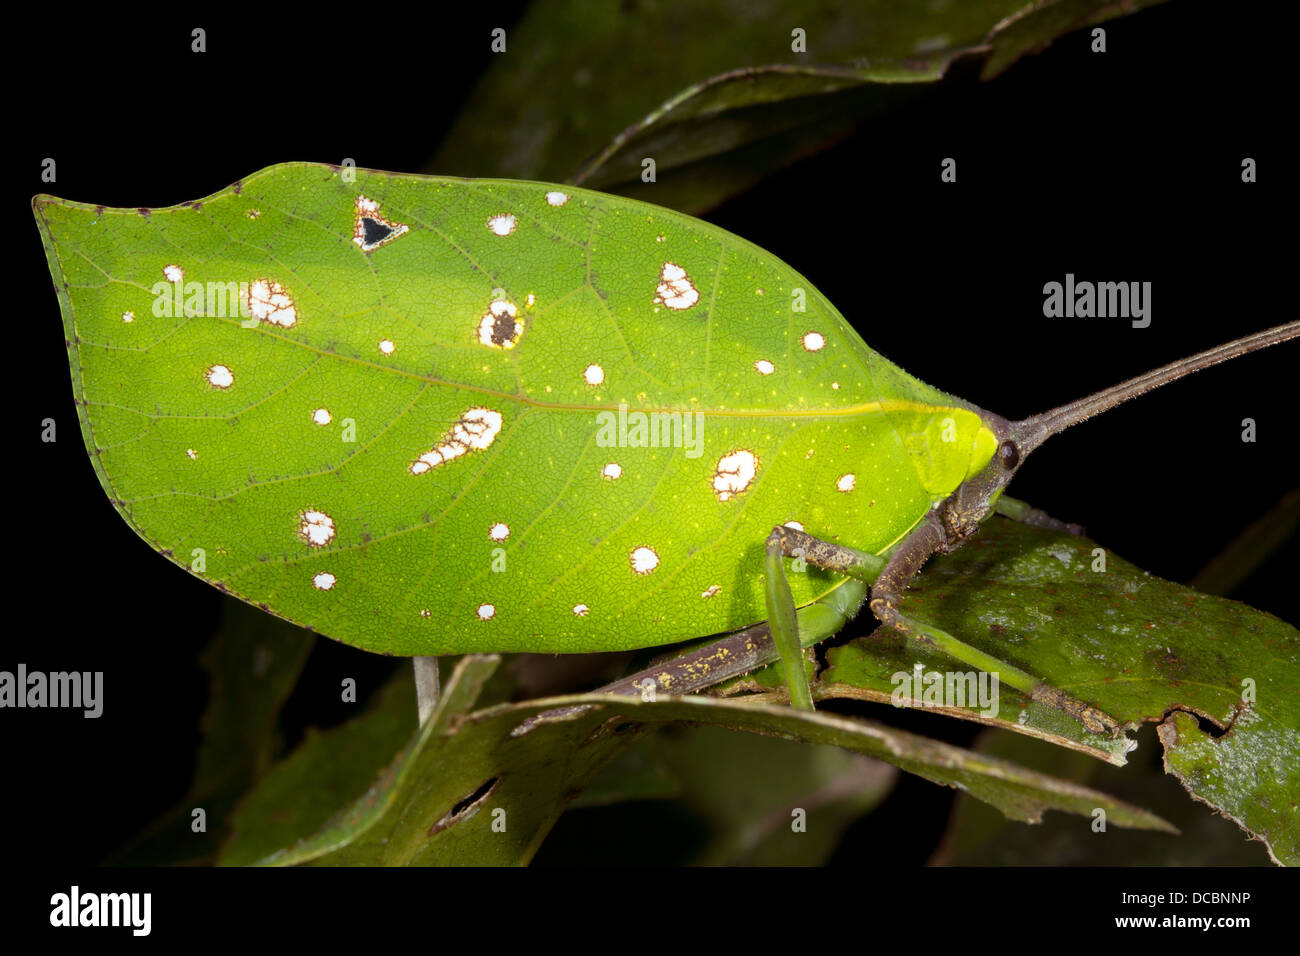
(784, 626)
(1025, 513)
(782, 618)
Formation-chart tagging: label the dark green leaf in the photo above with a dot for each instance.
(714, 93)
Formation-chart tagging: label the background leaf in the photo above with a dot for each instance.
(253, 664)
(723, 799)
(327, 771)
(1252, 548)
(1250, 774)
(715, 92)
(978, 836)
(1139, 648)
(743, 788)
(437, 803)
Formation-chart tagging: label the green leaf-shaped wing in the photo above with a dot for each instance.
(427, 415)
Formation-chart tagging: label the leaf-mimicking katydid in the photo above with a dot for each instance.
(434, 416)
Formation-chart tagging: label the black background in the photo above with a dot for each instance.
(1123, 166)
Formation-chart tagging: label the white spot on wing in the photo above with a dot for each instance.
(764, 367)
(386, 346)
(369, 209)
(322, 416)
(173, 273)
(593, 375)
(498, 328)
(473, 431)
(713, 590)
(814, 341)
(323, 581)
(499, 531)
(675, 289)
(502, 224)
(269, 302)
(316, 528)
(734, 473)
(643, 560)
(191, 454)
(580, 610)
(556, 198)
(219, 376)
(613, 471)
(846, 482)
(486, 612)
(128, 317)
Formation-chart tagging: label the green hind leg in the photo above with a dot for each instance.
(728, 656)
(886, 594)
(890, 579)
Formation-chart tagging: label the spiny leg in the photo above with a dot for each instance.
(726, 657)
(887, 592)
(827, 555)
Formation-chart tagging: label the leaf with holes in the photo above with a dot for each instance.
(978, 836)
(429, 416)
(1141, 649)
(472, 786)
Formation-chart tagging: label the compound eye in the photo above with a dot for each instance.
(1008, 454)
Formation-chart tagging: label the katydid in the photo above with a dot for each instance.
(438, 416)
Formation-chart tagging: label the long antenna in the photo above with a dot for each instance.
(1032, 432)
